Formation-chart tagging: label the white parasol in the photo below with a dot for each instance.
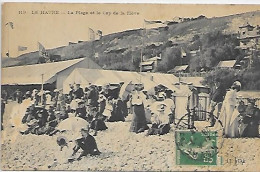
(70, 127)
(72, 124)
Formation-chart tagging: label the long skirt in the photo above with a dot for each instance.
(102, 107)
(98, 124)
(139, 123)
(225, 118)
(117, 113)
(234, 129)
(250, 130)
(124, 108)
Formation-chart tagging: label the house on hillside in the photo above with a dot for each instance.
(194, 53)
(150, 65)
(249, 37)
(228, 64)
(183, 68)
(180, 71)
(51, 75)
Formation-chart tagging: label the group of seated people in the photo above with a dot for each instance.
(93, 105)
(248, 119)
(41, 120)
(157, 110)
(98, 105)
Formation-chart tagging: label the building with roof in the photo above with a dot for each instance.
(183, 68)
(52, 74)
(248, 31)
(249, 37)
(227, 64)
(194, 53)
(150, 65)
(196, 82)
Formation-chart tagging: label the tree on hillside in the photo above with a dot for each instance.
(215, 47)
(171, 57)
(195, 64)
(121, 66)
(226, 76)
(249, 78)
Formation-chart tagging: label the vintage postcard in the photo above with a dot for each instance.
(130, 87)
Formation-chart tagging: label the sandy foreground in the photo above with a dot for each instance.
(121, 151)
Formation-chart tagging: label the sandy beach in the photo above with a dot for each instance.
(121, 151)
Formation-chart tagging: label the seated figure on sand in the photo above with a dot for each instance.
(160, 117)
(249, 119)
(87, 143)
(39, 121)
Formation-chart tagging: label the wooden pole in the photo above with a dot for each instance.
(144, 29)
(42, 90)
(8, 39)
(180, 77)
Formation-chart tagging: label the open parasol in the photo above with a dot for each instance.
(72, 124)
(70, 127)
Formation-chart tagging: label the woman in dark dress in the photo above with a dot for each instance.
(98, 124)
(250, 122)
(139, 123)
(117, 114)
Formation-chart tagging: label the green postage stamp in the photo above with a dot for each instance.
(196, 148)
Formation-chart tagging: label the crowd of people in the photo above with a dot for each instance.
(111, 103)
(238, 119)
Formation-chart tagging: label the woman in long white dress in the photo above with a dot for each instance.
(229, 109)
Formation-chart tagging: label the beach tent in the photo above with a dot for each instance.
(102, 77)
(167, 80)
(48, 72)
(86, 76)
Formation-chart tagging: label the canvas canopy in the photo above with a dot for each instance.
(32, 74)
(102, 77)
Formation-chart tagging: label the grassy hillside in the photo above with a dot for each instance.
(122, 50)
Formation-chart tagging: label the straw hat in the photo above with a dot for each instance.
(47, 92)
(251, 100)
(85, 128)
(236, 84)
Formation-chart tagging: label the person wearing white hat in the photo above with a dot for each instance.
(229, 107)
(48, 97)
(101, 102)
(160, 119)
(170, 107)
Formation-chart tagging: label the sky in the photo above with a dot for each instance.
(55, 25)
